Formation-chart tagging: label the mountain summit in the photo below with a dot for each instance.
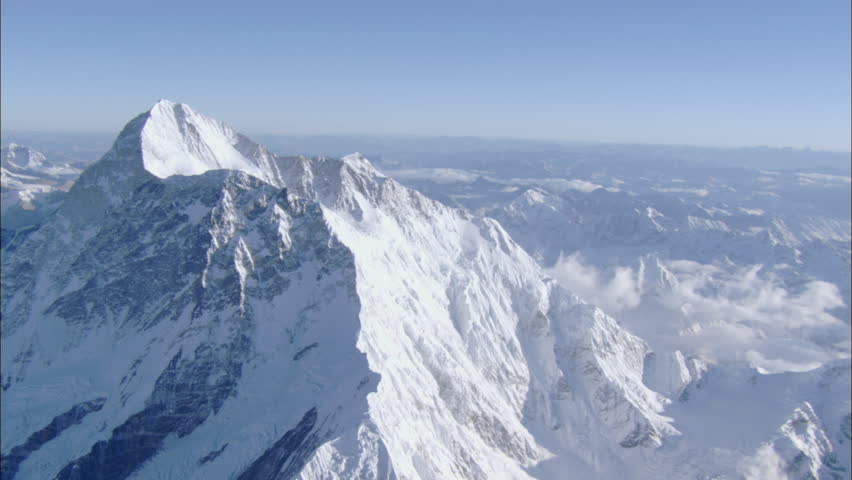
(201, 308)
(176, 140)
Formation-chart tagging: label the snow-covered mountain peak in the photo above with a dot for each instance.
(20, 157)
(169, 139)
(361, 165)
(173, 139)
(177, 140)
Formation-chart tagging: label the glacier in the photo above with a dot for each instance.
(199, 307)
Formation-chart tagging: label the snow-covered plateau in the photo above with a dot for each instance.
(197, 307)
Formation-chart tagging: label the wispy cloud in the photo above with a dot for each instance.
(616, 293)
(822, 179)
(560, 185)
(437, 175)
(720, 313)
(701, 192)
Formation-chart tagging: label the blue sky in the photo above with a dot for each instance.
(705, 73)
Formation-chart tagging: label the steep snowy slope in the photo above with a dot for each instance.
(178, 141)
(483, 361)
(712, 276)
(213, 310)
(199, 308)
(786, 263)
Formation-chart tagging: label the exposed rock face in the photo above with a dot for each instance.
(170, 297)
(9, 464)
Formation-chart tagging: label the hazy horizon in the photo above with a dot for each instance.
(7, 135)
(721, 75)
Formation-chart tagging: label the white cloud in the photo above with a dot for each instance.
(720, 313)
(559, 185)
(752, 211)
(764, 193)
(748, 295)
(437, 175)
(766, 463)
(701, 192)
(581, 185)
(822, 179)
(615, 292)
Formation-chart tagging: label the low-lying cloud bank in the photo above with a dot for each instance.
(437, 175)
(721, 313)
(616, 292)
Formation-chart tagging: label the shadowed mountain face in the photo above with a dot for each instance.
(197, 307)
(164, 295)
